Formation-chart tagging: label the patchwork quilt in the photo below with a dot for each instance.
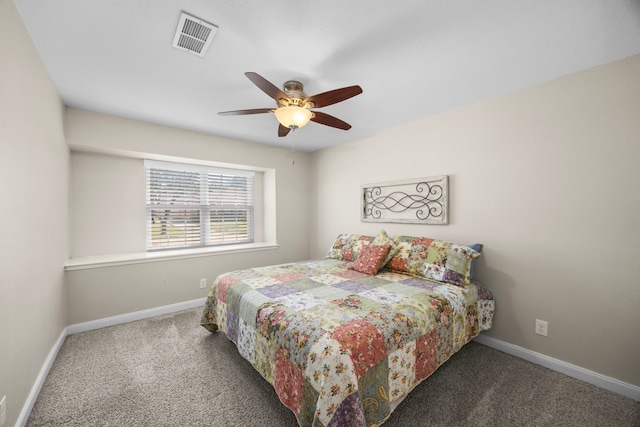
(342, 348)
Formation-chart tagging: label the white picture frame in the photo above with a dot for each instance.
(415, 201)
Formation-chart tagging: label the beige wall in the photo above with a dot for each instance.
(548, 179)
(107, 207)
(33, 212)
(108, 181)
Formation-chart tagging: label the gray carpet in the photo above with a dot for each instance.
(169, 371)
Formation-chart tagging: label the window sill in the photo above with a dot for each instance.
(100, 261)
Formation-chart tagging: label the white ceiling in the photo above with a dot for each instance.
(413, 58)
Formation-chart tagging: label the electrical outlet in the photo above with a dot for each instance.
(542, 327)
(203, 283)
(3, 410)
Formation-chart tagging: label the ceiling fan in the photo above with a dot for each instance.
(293, 109)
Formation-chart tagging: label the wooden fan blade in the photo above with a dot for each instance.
(266, 86)
(327, 120)
(283, 131)
(334, 96)
(243, 112)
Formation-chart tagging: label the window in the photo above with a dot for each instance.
(193, 206)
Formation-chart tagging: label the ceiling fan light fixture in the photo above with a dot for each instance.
(293, 117)
(294, 106)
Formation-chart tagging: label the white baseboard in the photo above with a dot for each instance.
(136, 315)
(89, 326)
(42, 375)
(625, 389)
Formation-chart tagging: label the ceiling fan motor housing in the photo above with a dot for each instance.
(295, 91)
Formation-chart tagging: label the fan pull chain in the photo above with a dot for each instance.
(293, 145)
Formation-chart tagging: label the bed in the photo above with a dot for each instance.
(342, 343)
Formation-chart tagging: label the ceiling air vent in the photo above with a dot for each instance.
(194, 35)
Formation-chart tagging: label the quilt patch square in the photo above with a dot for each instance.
(288, 381)
(276, 291)
(330, 317)
(301, 333)
(395, 326)
(353, 304)
(308, 407)
(223, 287)
(221, 315)
(422, 316)
(328, 293)
(374, 391)
(288, 277)
(349, 413)
(382, 296)
(299, 301)
(391, 276)
(350, 274)
(272, 270)
(261, 281)
(420, 283)
(246, 340)
(328, 279)
(434, 271)
(454, 277)
(318, 264)
(486, 310)
(456, 299)
(232, 326)
(426, 361)
(240, 275)
(401, 289)
(401, 370)
(372, 281)
(234, 295)
(444, 340)
(353, 287)
(272, 318)
(304, 285)
(264, 359)
(363, 341)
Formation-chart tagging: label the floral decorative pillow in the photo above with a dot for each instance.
(410, 255)
(371, 259)
(383, 239)
(347, 247)
(433, 259)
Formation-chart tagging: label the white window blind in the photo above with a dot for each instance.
(192, 206)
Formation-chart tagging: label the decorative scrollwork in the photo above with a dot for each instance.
(425, 201)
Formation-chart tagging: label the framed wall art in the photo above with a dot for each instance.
(416, 201)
